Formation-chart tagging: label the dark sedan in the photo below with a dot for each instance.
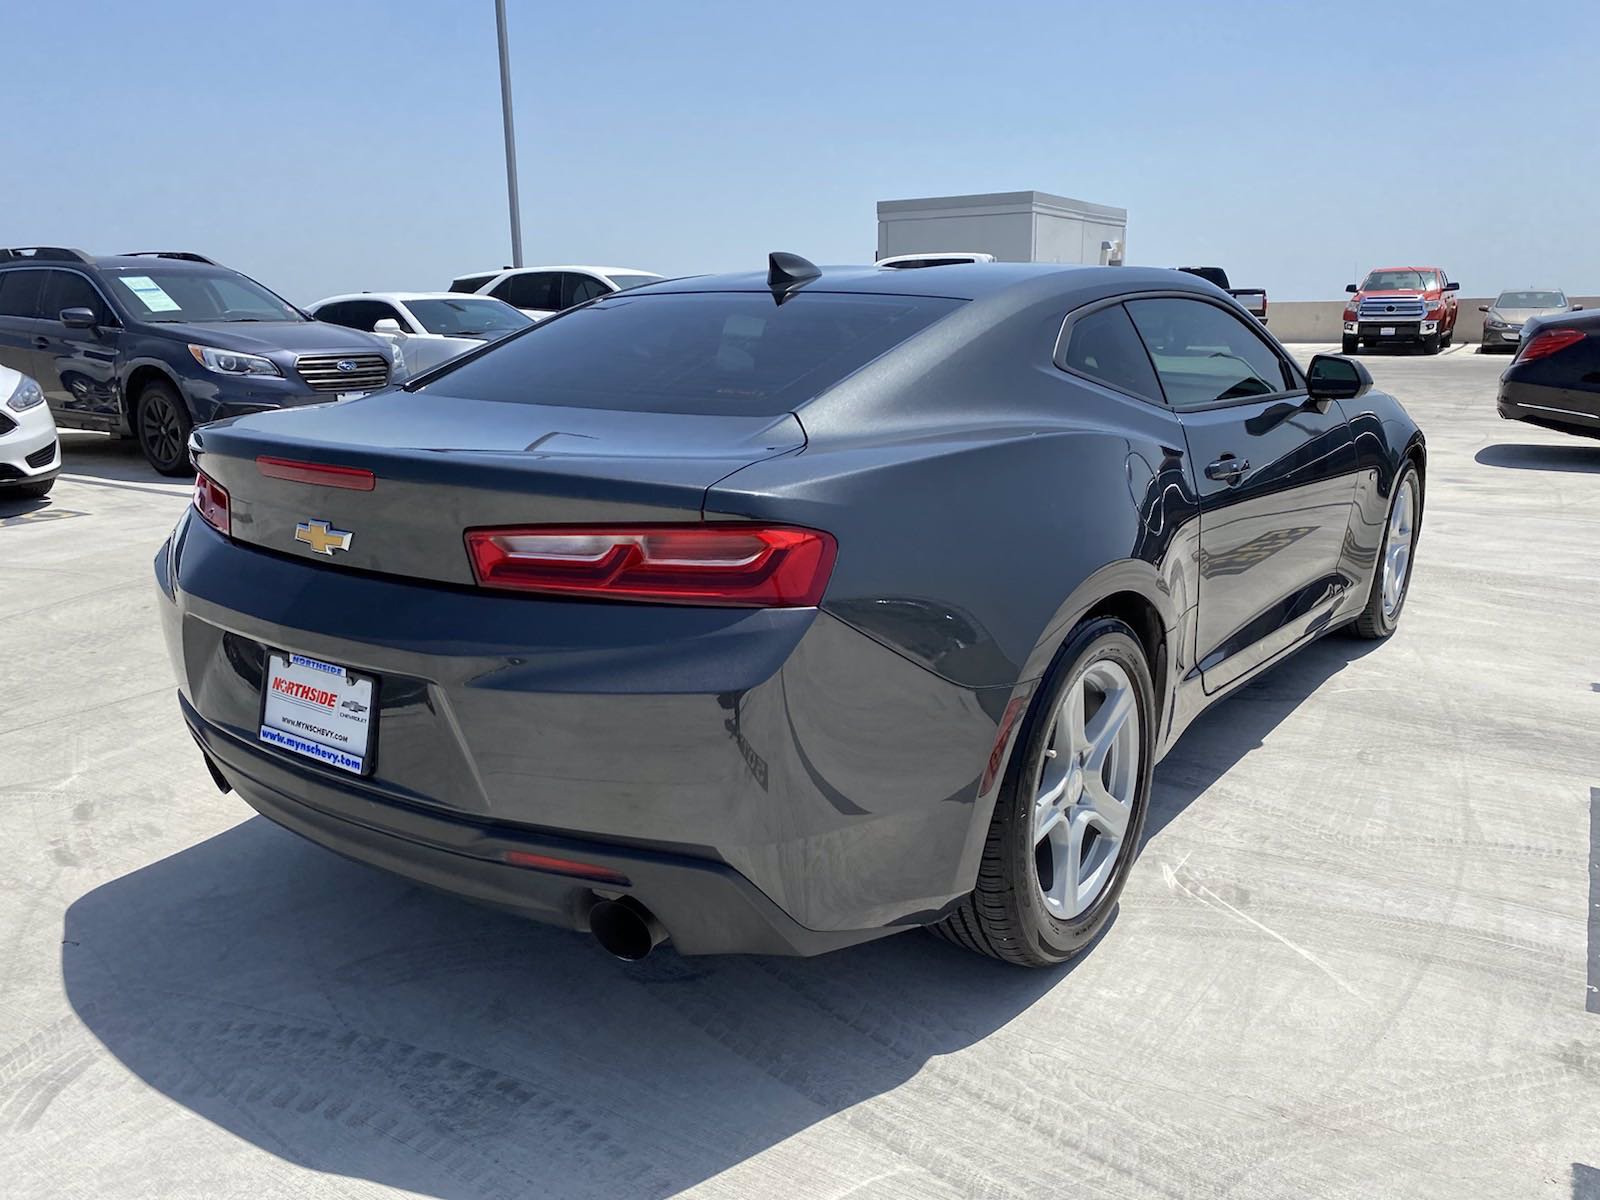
(1554, 381)
(775, 613)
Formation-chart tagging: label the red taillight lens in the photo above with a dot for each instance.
(745, 565)
(211, 502)
(1551, 341)
(565, 866)
(321, 474)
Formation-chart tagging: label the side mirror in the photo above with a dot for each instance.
(1576, 308)
(1350, 287)
(78, 318)
(1483, 308)
(390, 326)
(1452, 287)
(1333, 377)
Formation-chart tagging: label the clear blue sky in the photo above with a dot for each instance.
(348, 144)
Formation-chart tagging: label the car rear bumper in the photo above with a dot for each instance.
(774, 770)
(706, 906)
(1563, 409)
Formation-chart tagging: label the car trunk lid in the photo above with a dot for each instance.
(441, 465)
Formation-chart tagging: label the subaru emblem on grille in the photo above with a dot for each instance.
(346, 364)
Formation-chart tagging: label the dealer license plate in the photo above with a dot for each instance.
(349, 395)
(1512, 335)
(1386, 331)
(318, 710)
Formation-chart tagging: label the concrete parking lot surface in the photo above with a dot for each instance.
(1357, 957)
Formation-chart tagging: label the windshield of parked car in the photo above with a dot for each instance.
(166, 295)
(1531, 300)
(1390, 281)
(631, 279)
(721, 353)
(467, 318)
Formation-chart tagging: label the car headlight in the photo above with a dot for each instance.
(26, 396)
(1493, 323)
(398, 371)
(231, 362)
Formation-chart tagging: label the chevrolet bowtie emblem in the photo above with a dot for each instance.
(321, 537)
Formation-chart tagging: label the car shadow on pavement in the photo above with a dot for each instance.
(1582, 458)
(99, 460)
(348, 1022)
(1225, 733)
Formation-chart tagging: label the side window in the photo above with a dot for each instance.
(68, 289)
(469, 283)
(1203, 353)
(333, 314)
(538, 289)
(576, 289)
(20, 293)
(1105, 346)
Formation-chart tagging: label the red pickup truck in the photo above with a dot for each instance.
(1397, 305)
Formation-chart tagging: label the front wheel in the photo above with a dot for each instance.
(1351, 344)
(1430, 344)
(162, 424)
(1391, 575)
(33, 491)
(1069, 816)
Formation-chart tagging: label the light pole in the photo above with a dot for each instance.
(511, 137)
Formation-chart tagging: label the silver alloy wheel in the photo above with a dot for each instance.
(1397, 546)
(1083, 798)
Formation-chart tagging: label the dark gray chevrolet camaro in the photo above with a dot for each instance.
(777, 612)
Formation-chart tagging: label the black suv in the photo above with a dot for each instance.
(152, 344)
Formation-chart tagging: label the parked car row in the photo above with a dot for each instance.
(151, 344)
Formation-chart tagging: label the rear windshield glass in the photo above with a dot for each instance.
(704, 352)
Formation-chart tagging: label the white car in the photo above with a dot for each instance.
(937, 258)
(30, 452)
(426, 328)
(544, 291)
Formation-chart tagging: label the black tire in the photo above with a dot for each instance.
(1377, 621)
(1351, 345)
(1006, 916)
(1430, 344)
(161, 423)
(34, 491)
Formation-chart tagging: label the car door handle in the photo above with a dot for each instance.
(1229, 468)
(41, 343)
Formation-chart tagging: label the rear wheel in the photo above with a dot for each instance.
(1391, 576)
(1068, 819)
(1351, 344)
(162, 425)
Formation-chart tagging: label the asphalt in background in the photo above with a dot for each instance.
(1353, 960)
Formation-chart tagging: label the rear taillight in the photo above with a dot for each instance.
(744, 565)
(211, 502)
(1551, 341)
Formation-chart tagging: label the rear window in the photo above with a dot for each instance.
(705, 352)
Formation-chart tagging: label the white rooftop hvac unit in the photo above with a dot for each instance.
(1012, 226)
